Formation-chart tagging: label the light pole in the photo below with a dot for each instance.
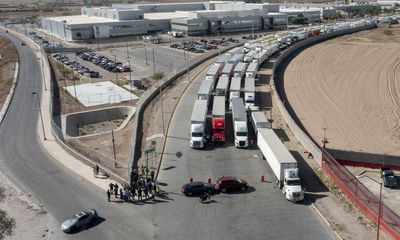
(325, 139)
(145, 53)
(130, 76)
(380, 203)
(116, 73)
(127, 50)
(40, 112)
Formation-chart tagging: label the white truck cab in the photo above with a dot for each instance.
(292, 185)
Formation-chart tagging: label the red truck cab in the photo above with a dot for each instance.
(218, 130)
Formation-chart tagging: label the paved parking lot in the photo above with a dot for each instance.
(167, 60)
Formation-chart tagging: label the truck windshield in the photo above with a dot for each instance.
(197, 134)
(293, 182)
(241, 134)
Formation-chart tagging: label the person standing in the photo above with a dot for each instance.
(139, 193)
(111, 187)
(97, 169)
(116, 190)
(146, 192)
(94, 172)
(108, 195)
(120, 193)
(152, 175)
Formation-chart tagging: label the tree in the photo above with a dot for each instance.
(7, 224)
(299, 20)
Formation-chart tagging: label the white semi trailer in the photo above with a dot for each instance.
(282, 163)
(228, 70)
(252, 70)
(234, 90)
(249, 94)
(259, 120)
(222, 86)
(198, 124)
(239, 117)
(205, 90)
(240, 70)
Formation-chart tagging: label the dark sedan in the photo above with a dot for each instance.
(227, 183)
(197, 188)
(388, 178)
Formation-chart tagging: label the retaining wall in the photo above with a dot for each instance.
(366, 201)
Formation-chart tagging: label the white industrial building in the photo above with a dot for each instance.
(198, 18)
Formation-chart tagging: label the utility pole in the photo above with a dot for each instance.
(145, 52)
(116, 73)
(127, 50)
(325, 139)
(130, 77)
(40, 113)
(44, 80)
(154, 63)
(113, 142)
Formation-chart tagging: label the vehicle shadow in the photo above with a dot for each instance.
(92, 224)
(250, 189)
(310, 198)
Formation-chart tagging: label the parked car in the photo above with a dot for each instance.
(197, 188)
(79, 221)
(228, 183)
(388, 178)
(94, 74)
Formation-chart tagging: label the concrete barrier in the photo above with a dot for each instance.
(72, 121)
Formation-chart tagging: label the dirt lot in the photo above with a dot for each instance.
(349, 86)
(7, 68)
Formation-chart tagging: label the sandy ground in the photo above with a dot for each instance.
(32, 220)
(7, 68)
(350, 86)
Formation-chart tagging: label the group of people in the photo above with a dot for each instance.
(141, 188)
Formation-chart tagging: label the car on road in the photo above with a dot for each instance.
(197, 188)
(229, 183)
(388, 178)
(23, 44)
(79, 221)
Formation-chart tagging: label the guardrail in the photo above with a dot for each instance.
(150, 95)
(367, 202)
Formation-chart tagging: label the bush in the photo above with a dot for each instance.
(299, 20)
(387, 32)
(157, 76)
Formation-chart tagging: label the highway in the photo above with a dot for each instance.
(62, 192)
(260, 213)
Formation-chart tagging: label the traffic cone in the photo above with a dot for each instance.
(190, 179)
(209, 180)
(262, 178)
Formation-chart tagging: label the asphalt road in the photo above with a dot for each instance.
(62, 192)
(260, 213)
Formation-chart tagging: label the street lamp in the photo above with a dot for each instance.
(40, 112)
(380, 202)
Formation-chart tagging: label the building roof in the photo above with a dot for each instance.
(285, 10)
(166, 15)
(81, 19)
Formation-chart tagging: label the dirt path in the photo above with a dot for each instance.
(350, 86)
(8, 58)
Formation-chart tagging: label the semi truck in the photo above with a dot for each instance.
(234, 90)
(249, 94)
(222, 60)
(252, 70)
(239, 117)
(228, 70)
(259, 120)
(218, 120)
(282, 163)
(235, 59)
(249, 56)
(233, 51)
(205, 91)
(213, 72)
(222, 86)
(240, 70)
(260, 57)
(198, 124)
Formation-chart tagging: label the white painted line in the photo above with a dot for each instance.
(158, 135)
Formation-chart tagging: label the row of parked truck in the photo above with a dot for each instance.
(222, 89)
